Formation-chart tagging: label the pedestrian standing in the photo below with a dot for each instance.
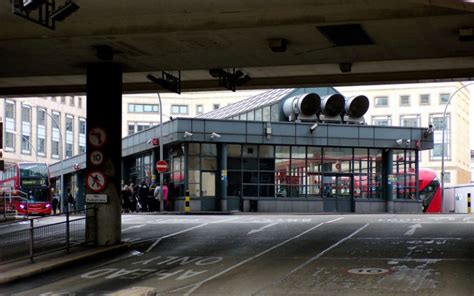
(165, 197)
(55, 204)
(143, 191)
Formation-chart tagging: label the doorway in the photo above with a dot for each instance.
(337, 193)
(208, 191)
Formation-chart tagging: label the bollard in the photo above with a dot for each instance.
(187, 200)
(468, 203)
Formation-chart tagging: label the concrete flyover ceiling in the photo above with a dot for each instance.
(330, 42)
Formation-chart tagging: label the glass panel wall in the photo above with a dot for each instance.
(404, 174)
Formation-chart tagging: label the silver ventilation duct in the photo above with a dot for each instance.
(305, 105)
(332, 105)
(357, 106)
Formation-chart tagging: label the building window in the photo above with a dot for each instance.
(199, 109)
(41, 132)
(179, 109)
(382, 120)
(443, 99)
(143, 108)
(68, 150)
(71, 101)
(79, 102)
(10, 110)
(9, 141)
(41, 116)
(55, 134)
(405, 100)
(63, 100)
(26, 113)
(437, 121)
(381, 101)
(41, 146)
(54, 149)
(424, 99)
(25, 144)
(82, 126)
(69, 123)
(215, 106)
(53, 99)
(135, 127)
(410, 120)
(25, 129)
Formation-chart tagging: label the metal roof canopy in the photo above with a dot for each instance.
(329, 42)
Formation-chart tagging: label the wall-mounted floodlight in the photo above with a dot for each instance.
(399, 142)
(313, 127)
(215, 135)
(187, 134)
(64, 11)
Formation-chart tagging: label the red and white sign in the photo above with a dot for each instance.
(96, 181)
(161, 166)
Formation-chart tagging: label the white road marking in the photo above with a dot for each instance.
(196, 286)
(185, 230)
(132, 227)
(413, 228)
(325, 251)
(262, 228)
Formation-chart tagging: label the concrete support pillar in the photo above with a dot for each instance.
(222, 192)
(387, 169)
(104, 151)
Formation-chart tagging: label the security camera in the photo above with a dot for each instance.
(407, 142)
(345, 67)
(187, 134)
(278, 44)
(313, 127)
(215, 135)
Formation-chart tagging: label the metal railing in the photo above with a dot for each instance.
(38, 237)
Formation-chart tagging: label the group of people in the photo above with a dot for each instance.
(147, 198)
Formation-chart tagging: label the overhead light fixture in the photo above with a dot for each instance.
(230, 80)
(215, 135)
(64, 11)
(187, 134)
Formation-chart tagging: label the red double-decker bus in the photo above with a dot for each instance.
(30, 187)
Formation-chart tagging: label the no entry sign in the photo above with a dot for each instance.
(161, 166)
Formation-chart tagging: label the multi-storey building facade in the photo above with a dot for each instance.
(423, 104)
(43, 129)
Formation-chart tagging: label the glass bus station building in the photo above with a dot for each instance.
(268, 153)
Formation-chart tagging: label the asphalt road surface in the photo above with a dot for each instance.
(277, 255)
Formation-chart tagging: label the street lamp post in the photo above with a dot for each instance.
(442, 141)
(161, 151)
(61, 158)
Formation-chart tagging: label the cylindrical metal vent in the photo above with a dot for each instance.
(332, 105)
(357, 106)
(306, 104)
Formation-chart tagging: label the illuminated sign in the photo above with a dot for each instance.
(33, 182)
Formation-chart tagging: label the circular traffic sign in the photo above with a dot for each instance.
(96, 157)
(97, 137)
(161, 166)
(96, 181)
